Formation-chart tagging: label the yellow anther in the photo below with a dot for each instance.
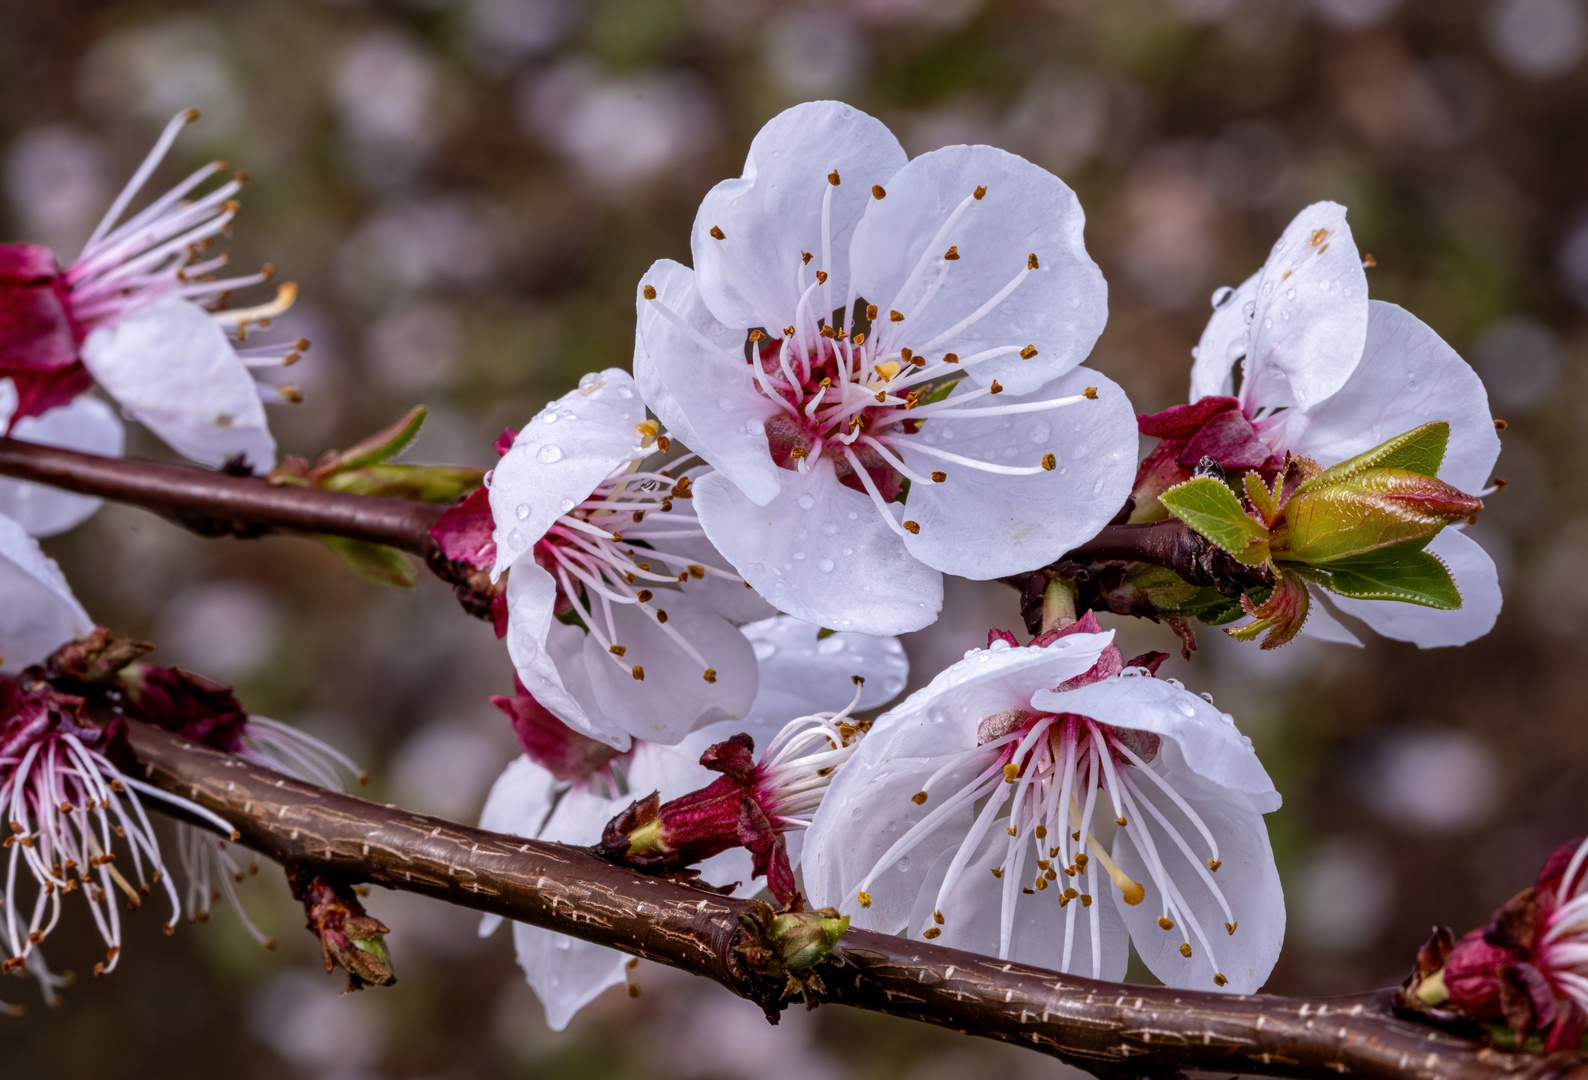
(1185, 949)
(805, 258)
(1041, 883)
(617, 650)
(895, 316)
(650, 292)
(1028, 352)
(937, 917)
(638, 672)
(997, 871)
(821, 277)
(1011, 772)
(887, 370)
(918, 798)
(1041, 832)
(1031, 261)
(1090, 393)
(1049, 462)
(938, 476)
(951, 358)
(877, 192)
(1165, 922)
(1086, 899)
(832, 178)
(1120, 821)
(1219, 980)
(1229, 928)
(952, 253)
(710, 675)
(911, 527)
(757, 335)
(717, 234)
(1214, 864)
(931, 932)
(996, 387)
(980, 192)
(864, 898)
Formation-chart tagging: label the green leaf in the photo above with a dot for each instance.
(1225, 611)
(375, 449)
(939, 391)
(1212, 509)
(1404, 573)
(444, 484)
(1376, 508)
(374, 562)
(1420, 450)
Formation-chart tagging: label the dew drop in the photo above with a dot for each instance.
(1290, 294)
(1184, 707)
(807, 501)
(1249, 309)
(565, 506)
(588, 380)
(549, 417)
(1207, 697)
(549, 454)
(1323, 286)
(825, 565)
(1097, 487)
(848, 551)
(489, 476)
(854, 515)
(1222, 296)
(799, 556)
(725, 403)
(904, 865)
(561, 941)
(1075, 301)
(515, 540)
(1235, 351)
(522, 510)
(829, 529)
(1268, 324)
(1040, 431)
(754, 427)
(1268, 287)
(625, 392)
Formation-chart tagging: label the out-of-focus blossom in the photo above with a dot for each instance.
(503, 31)
(229, 629)
(1344, 896)
(386, 89)
(811, 53)
(1519, 359)
(149, 72)
(1170, 246)
(955, 277)
(413, 244)
(619, 132)
(415, 347)
(1354, 14)
(1061, 120)
(1432, 781)
(1538, 39)
(57, 181)
(567, 787)
(1039, 733)
(1573, 261)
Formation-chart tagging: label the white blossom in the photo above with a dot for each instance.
(963, 268)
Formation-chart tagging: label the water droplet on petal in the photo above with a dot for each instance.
(515, 540)
(829, 529)
(904, 865)
(1222, 296)
(1040, 431)
(588, 380)
(1323, 286)
(1249, 309)
(489, 476)
(522, 510)
(549, 454)
(1207, 697)
(807, 501)
(825, 565)
(548, 417)
(1290, 294)
(1184, 707)
(625, 392)
(1268, 324)
(565, 506)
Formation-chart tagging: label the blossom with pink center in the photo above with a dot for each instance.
(879, 358)
(567, 787)
(973, 815)
(1529, 965)
(68, 801)
(1326, 373)
(621, 616)
(141, 314)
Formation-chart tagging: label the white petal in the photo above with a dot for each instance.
(802, 675)
(560, 457)
(773, 213)
(821, 552)
(86, 424)
(517, 805)
(728, 597)
(982, 525)
(549, 655)
(1059, 308)
(1408, 377)
(1211, 746)
(1322, 624)
(1222, 346)
(973, 913)
(674, 697)
(704, 394)
(38, 612)
(171, 367)
(869, 804)
(1246, 876)
(1310, 318)
(1476, 579)
(566, 974)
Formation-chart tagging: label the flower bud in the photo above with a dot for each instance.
(1372, 509)
(806, 938)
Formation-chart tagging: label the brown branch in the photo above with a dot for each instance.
(1110, 1029)
(218, 504)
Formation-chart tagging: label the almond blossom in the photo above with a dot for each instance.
(567, 787)
(971, 813)
(619, 618)
(879, 358)
(141, 314)
(1325, 374)
(85, 423)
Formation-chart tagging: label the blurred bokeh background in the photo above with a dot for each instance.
(466, 193)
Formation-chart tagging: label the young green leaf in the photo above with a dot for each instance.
(1212, 509)
(444, 484)
(1420, 450)
(1404, 573)
(375, 563)
(1375, 508)
(378, 447)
